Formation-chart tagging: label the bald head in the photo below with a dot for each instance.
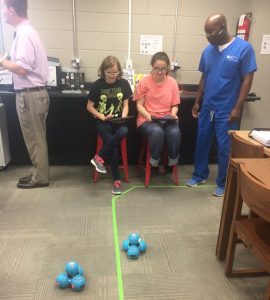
(216, 21)
(216, 29)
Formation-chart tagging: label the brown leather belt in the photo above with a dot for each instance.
(31, 89)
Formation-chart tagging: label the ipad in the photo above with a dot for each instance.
(119, 120)
(164, 119)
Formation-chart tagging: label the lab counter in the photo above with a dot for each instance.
(71, 134)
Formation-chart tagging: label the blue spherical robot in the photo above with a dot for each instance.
(81, 271)
(62, 280)
(125, 245)
(72, 268)
(134, 239)
(133, 252)
(78, 282)
(142, 246)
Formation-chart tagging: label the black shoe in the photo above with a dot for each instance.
(25, 179)
(169, 169)
(31, 185)
(154, 171)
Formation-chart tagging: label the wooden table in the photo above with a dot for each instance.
(244, 134)
(259, 168)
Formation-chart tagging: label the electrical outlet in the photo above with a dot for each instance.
(75, 62)
(175, 65)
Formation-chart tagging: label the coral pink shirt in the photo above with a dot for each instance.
(158, 98)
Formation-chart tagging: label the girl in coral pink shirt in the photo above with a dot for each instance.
(157, 96)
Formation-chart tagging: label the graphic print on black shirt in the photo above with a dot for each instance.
(108, 98)
(111, 101)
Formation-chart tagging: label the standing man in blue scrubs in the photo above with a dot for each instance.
(227, 65)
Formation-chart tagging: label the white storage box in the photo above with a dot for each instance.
(4, 142)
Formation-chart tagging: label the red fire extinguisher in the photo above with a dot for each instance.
(243, 26)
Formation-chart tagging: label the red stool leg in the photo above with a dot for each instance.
(147, 166)
(124, 157)
(99, 146)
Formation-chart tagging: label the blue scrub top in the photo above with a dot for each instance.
(223, 72)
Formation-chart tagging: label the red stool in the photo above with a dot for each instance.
(145, 152)
(124, 157)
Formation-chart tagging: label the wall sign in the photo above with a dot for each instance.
(265, 48)
(150, 44)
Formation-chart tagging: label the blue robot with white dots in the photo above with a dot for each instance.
(72, 277)
(134, 245)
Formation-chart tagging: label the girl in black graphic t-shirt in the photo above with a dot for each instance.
(108, 99)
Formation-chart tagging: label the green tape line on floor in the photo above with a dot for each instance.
(115, 229)
(117, 252)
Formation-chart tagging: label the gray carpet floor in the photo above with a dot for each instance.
(75, 219)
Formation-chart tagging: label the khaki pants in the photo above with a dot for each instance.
(32, 108)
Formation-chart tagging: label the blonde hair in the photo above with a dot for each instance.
(107, 63)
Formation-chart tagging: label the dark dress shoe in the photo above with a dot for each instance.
(31, 185)
(25, 179)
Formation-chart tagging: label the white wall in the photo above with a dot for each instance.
(257, 114)
(102, 29)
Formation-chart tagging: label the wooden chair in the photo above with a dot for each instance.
(240, 148)
(254, 231)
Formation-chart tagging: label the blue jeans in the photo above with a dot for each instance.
(112, 135)
(158, 133)
(212, 123)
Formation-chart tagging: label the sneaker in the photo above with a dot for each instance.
(192, 182)
(116, 190)
(98, 162)
(218, 192)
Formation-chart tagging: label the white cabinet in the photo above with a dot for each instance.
(4, 143)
